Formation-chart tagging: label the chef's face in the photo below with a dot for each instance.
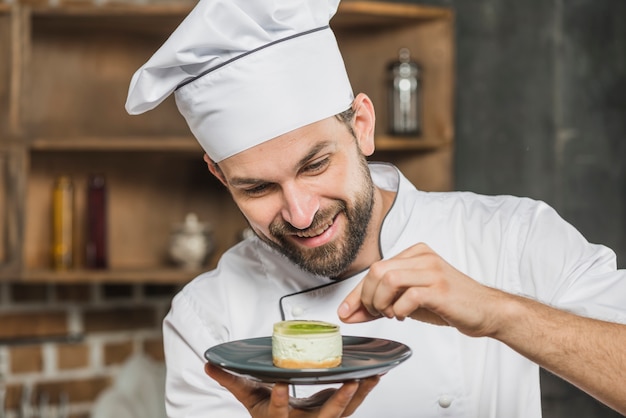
(307, 193)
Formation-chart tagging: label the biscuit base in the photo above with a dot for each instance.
(287, 363)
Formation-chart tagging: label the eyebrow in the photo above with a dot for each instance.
(244, 181)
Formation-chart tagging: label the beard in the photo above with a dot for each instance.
(335, 257)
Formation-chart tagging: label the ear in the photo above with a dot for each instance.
(364, 123)
(214, 169)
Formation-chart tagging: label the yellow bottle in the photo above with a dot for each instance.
(63, 224)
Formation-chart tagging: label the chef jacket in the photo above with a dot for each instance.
(515, 244)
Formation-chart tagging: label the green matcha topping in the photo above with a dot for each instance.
(304, 327)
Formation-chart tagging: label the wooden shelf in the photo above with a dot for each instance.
(158, 275)
(122, 10)
(64, 76)
(189, 144)
(363, 14)
(153, 143)
(398, 143)
(350, 12)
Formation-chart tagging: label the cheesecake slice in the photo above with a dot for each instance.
(306, 345)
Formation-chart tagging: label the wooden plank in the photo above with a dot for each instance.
(13, 164)
(135, 143)
(168, 10)
(20, 44)
(153, 276)
(5, 69)
(77, 77)
(365, 14)
(348, 11)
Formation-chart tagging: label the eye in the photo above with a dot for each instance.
(257, 190)
(316, 166)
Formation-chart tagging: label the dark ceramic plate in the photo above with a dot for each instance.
(362, 357)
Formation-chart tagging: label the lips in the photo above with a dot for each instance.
(317, 236)
(313, 232)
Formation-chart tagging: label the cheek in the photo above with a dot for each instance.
(259, 213)
(345, 184)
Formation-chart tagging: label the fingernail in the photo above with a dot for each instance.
(344, 310)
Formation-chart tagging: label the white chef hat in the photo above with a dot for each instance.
(246, 71)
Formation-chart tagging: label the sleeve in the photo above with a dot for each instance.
(560, 267)
(188, 329)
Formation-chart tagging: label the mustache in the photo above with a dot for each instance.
(281, 228)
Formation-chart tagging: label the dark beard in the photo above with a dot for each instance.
(334, 258)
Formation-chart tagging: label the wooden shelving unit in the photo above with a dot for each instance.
(63, 81)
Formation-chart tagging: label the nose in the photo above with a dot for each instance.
(299, 206)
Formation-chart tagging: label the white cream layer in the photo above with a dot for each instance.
(310, 347)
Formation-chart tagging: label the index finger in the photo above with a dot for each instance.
(351, 309)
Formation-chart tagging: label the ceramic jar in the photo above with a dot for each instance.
(191, 243)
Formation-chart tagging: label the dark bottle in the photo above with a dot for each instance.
(96, 251)
(404, 95)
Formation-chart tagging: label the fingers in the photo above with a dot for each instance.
(387, 281)
(249, 393)
(348, 398)
(313, 402)
(393, 287)
(279, 401)
(365, 387)
(338, 403)
(356, 313)
(351, 310)
(222, 377)
(254, 396)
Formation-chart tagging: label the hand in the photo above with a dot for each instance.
(263, 400)
(419, 284)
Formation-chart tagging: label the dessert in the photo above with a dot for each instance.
(306, 345)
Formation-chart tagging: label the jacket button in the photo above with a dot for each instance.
(297, 311)
(445, 401)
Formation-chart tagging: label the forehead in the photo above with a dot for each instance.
(287, 151)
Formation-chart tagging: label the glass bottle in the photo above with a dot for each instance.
(96, 251)
(63, 224)
(404, 95)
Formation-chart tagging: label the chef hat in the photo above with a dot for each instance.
(246, 71)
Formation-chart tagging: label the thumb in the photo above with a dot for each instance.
(351, 310)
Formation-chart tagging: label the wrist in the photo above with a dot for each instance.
(511, 318)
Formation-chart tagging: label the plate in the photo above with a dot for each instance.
(362, 357)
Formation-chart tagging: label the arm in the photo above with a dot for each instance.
(588, 353)
(419, 284)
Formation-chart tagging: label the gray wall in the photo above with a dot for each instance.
(541, 107)
(541, 112)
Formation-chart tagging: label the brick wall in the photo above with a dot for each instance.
(59, 340)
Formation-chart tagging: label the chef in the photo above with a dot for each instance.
(483, 289)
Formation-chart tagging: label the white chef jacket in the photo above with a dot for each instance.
(516, 244)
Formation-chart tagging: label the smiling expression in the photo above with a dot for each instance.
(307, 193)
